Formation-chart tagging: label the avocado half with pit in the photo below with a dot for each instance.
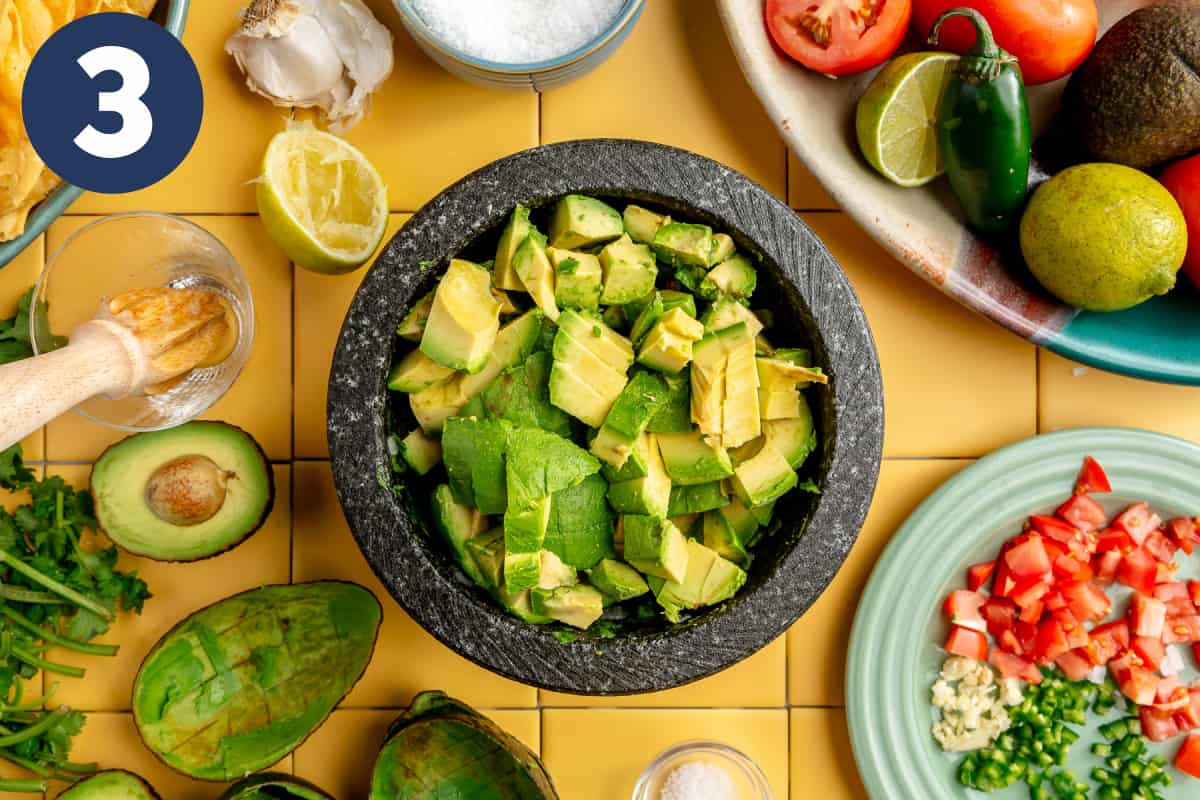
(112, 784)
(185, 493)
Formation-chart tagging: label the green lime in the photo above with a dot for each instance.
(321, 200)
(1104, 237)
(897, 116)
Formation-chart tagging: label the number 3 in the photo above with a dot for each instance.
(137, 123)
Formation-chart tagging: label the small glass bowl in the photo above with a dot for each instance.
(133, 251)
(747, 776)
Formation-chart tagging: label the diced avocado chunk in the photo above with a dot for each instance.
(615, 318)
(507, 306)
(696, 499)
(580, 222)
(533, 266)
(586, 400)
(779, 404)
(524, 533)
(629, 271)
(649, 495)
(515, 232)
(723, 248)
(628, 418)
(421, 452)
(433, 406)
(741, 518)
(709, 579)
(519, 604)
(540, 463)
(766, 477)
(669, 346)
(580, 531)
(521, 395)
(683, 244)
(763, 513)
(708, 381)
(641, 224)
(693, 458)
(690, 525)
(794, 438)
(636, 466)
(473, 450)
(609, 346)
(458, 524)
(654, 546)
(734, 277)
(577, 606)
(487, 551)
(660, 303)
(555, 573)
(800, 356)
(747, 451)
(675, 413)
(740, 418)
(775, 373)
(417, 372)
(618, 582)
(413, 324)
(727, 312)
(722, 539)
(578, 278)
(515, 341)
(462, 326)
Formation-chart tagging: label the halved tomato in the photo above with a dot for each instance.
(1188, 758)
(1157, 726)
(1137, 521)
(838, 37)
(1092, 478)
(1147, 616)
(967, 643)
(1083, 512)
(1139, 571)
(978, 574)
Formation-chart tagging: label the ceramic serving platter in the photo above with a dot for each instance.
(1159, 340)
(894, 647)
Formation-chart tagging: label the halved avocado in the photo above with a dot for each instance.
(185, 493)
(274, 786)
(111, 784)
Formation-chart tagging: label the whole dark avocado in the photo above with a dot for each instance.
(1136, 100)
(112, 784)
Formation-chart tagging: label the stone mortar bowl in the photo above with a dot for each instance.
(812, 302)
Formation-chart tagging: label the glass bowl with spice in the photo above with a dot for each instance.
(702, 770)
(519, 44)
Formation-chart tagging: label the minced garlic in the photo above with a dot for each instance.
(972, 704)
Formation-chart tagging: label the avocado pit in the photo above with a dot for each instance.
(187, 490)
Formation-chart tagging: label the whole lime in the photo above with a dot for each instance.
(1104, 237)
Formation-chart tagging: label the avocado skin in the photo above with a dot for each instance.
(298, 788)
(91, 788)
(1136, 100)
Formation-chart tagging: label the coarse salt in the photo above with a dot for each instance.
(517, 31)
(698, 780)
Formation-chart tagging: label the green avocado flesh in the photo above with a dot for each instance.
(616, 454)
(111, 785)
(184, 493)
(240, 684)
(274, 786)
(442, 748)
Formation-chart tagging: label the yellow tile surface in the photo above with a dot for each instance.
(804, 191)
(406, 658)
(339, 757)
(260, 401)
(1093, 397)
(679, 46)
(955, 384)
(179, 590)
(633, 738)
(822, 763)
(321, 304)
(15, 279)
(757, 682)
(817, 644)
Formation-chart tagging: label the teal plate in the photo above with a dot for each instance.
(895, 648)
(172, 14)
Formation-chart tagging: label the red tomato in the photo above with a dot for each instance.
(1116, 631)
(838, 37)
(1051, 640)
(1000, 614)
(1011, 666)
(1188, 759)
(1054, 528)
(1158, 545)
(1176, 596)
(1086, 600)
(1183, 530)
(1181, 630)
(1113, 539)
(1182, 180)
(1074, 665)
(1150, 651)
(963, 609)
(1194, 591)
(978, 574)
(1147, 616)
(1139, 571)
(1092, 478)
(1137, 521)
(1189, 718)
(967, 643)
(1069, 569)
(1105, 566)
(1083, 512)
(1028, 557)
(1077, 635)
(1050, 38)
(1139, 685)
(1157, 726)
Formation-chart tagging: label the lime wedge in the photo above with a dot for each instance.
(321, 200)
(897, 116)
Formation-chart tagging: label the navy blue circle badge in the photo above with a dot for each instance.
(112, 102)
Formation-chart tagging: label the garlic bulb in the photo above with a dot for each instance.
(331, 54)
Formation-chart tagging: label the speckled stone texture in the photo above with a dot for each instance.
(812, 302)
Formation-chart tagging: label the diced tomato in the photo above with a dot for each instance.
(978, 574)
(1009, 643)
(1117, 630)
(1074, 665)
(1196, 652)
(1077, 635)
(1113, 539)
(967, 643)
(1182, 630)
(1147, 616)
(1157, 726)
(1051, 640)
(1054, 528)
(1175, 594)
(1086, 600)
(1029, 591)
(999, 613)
(1184, 533)
(1138, 571)
(1026, 633)
(1188, 718)
(1139, 685)
(1188, 758)
(1011, 666)
(1083, 512)
(962, 607)
(1032, 612)
(1194, 592)
(1092, 478)
(1106, 641)
(1122, 666)
(1105, 566)
(1171, 697)
(1003, 583)
(1159, 546)
(1137, 521)
(1068, 568)
(1028, 558)
(1150, 651)
(1054, 601)
(1165, 572)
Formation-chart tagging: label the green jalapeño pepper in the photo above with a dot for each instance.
(983, 130)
